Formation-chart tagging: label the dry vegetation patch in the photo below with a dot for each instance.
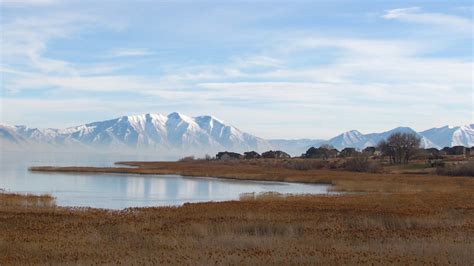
(407, 228)
(386, 218)
(458, 169)
(26, 200)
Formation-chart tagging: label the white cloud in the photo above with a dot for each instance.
(359, 46)
(28, 2)
(25, 41)
(415, 15)
(257, 60)
(364, 77)
(126, 52)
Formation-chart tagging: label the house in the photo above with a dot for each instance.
(430, 154)
(348, 152)
(444, 151)
(456, 150)
(369, 151)
(315, 153)
(320, 153)
(226, 155)
(333, 153)
(432, 151)
(251, 155)
(275, 155)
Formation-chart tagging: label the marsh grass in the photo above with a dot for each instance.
(387, 218)
(26, 200)
(262, 196)
(398, 228)
(458, 169)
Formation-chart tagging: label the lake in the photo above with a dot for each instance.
(119, 191)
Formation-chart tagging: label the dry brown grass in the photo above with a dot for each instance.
(398, 219)
(458, 169)
(26, 200)
(401, 228)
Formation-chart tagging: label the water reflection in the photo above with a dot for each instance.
(117, 191)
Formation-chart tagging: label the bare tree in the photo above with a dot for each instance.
(400, 147)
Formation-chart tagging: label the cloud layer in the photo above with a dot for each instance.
(260, 72)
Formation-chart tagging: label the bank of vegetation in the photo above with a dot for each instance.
(418, 210)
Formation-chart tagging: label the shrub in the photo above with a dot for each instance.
(361, 164)
(436, 162)
(187, 159)
(464, 169)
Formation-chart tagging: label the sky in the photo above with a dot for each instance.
(275, 69)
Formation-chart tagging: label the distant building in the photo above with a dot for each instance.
(444, 151)
(348, 152)
(456, 150)
(251, 155)
(333, 153)
(226, 155)
(275, 155)
(369, 151)
(431, 153)
(316, 153)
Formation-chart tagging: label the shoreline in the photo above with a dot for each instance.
(117, 170)
(276, 171)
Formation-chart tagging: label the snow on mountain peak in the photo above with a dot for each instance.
(206, 133)
(176, 115)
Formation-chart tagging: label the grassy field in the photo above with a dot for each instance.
(398, 219)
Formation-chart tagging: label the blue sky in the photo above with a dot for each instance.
(277, 69)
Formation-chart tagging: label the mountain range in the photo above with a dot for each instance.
(432, 138)
(175, 133)
(181, 134)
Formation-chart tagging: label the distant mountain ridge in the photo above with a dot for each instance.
(431, 138)
(183, 134)
(172, 133)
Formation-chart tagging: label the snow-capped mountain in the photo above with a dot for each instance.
(174, 132)
(181, 134)
(451, 136)
(357, 140)
(351, 138)
(295, 147)
(435, 137)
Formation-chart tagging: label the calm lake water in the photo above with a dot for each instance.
(118, 191)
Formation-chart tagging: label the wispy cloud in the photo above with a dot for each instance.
(28, 2)
(416, 15)
(321, 77)
(257, 61)
(127, 52)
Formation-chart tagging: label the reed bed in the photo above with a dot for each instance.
(26, 200)
(400, 228)
(386, 218)
(458, 169)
